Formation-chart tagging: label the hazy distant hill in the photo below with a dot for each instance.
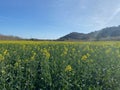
(5, 37)
(109, 33)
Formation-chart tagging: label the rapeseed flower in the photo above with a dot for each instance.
(1, 57)
(46, 53)
(5, 52)
(68, 68)
(33, 56)
(84, 57)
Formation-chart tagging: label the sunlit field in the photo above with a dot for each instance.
(27, 65)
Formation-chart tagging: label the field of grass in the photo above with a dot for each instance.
(27, 65)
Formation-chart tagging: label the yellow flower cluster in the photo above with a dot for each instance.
(1, 57)
(84, 57)
(5, 52)
(46, 53)
(65, 51)
(33, 56)
(68, 68)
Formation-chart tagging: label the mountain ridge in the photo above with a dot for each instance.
(105, 34)
(109, 33)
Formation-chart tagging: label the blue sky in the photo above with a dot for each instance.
(51, 19)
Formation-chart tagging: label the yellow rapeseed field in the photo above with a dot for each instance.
(50, 65)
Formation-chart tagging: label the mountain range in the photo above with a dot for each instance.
(106, 34)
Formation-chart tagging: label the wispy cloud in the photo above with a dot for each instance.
(105, 18)
(115, 13)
